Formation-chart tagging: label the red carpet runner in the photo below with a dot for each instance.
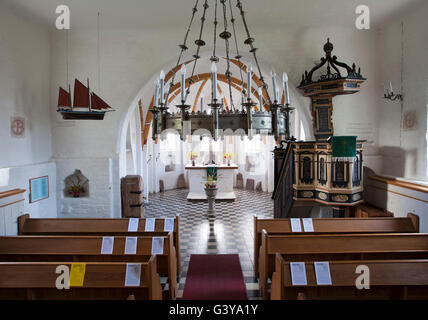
(214, 277)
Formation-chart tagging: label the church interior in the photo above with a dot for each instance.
(213, 150)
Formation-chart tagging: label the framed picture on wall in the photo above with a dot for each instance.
(39, 188)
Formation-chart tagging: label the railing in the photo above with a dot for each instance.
(283, 191)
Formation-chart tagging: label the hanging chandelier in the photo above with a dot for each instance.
(272, 116)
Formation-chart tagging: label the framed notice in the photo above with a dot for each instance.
(39, 188)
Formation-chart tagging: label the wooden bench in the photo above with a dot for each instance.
(334, 226)
(102, 280)
(88, 249)
(389, 279)
(338, 247)
(94, 227)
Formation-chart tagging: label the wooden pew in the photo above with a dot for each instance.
(334, 226)
(94, 227)
(102, 280)
(88, 249)
(338, 247)
(389, 279)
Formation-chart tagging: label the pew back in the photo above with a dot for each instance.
(102, 280)
(338, 247)
(88, 249)
(335, 226)
(94, 227)
(389, 279)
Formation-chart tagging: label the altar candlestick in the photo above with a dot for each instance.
(162, 86)
(285, 84)
(183, 83)
(214, 80)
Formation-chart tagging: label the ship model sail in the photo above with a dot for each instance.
(86, 104)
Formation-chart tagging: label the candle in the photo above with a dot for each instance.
(214, 80)
(162, 86)
(285, 84)
(390, 85)
(385, 89)
(275, 92)
(260, 99)
(183, 83)
(243, 97)
(249, 76)
(156, 93)
(202, 101)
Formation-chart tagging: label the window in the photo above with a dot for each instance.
(168, 151)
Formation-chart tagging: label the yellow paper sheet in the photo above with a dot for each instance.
(77, 274)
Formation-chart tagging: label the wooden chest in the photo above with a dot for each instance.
(132, 196)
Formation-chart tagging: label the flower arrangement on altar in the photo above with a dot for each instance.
(193, 156)
(228, 156)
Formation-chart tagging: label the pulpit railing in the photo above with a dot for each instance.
(283, 191)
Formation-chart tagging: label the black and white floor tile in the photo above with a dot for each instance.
(230, 231)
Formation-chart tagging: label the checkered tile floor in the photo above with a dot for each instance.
(230, 231)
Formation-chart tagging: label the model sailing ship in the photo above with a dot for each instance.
(86, 104)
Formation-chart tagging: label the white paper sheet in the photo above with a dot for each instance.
(107, 245)
(168, 224)
(157, 245)
(131, 245)
(298, 274)
(322, 272)
(295, 225)
(133, 224)
(150, 225)
(308, 226)
(133, 274)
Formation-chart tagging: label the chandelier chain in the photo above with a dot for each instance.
(199, 42)
(215, 30)
(226, 39)
(238, 56)
(183, 48)
(253, 50)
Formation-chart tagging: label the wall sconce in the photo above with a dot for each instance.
(390, 95)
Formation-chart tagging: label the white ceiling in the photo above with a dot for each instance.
(158, 13)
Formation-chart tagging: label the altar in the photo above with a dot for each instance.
(197, 176)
